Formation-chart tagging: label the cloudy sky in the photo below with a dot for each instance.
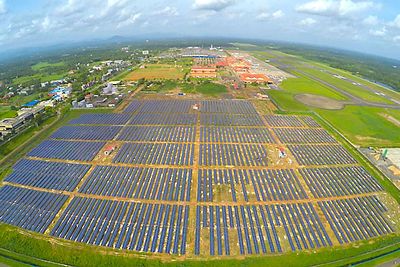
(371, 26)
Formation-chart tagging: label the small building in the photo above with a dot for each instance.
(63, 92)
(31, 104)
(108, 150)
(110, 89)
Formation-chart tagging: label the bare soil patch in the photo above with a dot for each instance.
(319, 101)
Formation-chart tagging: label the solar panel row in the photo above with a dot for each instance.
(233, 155)
(155, 154)
(139, 183)
(340, 181)
(68, 150)
(256, 228)
(87, 132)
(158, 133)
(321, 154)
(29, 209)
(268, 185)
(303, 135)
(357, 218)
(145, 227)
(102, 118)
(231, 119)
(235, 135)
(46, 174)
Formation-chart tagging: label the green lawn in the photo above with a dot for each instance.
(380, 260)
(205, 88)
(347, 86)
(12, 263)
(19, 100)
(43, 77)
(364, 126)
(302, 85)
(44, 65)
(162, 87)
(6, 112)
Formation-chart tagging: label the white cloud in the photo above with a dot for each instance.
(3, 7)
(378, 33)
(130, 20)
(396, 39)
(371, 21)
(335, 8)
(215, 5)
(267, 16)
(308, 22)
(167, 11)
(396, 22)
(278, 14)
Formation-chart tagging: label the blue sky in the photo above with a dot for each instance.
(371, 26)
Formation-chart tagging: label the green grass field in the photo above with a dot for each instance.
(381, 260)
(19, 100)
(347, 86)
(6, 112)
(157, 72)
(43, 77)
(304, 85)
(44, 65)
(205, 88)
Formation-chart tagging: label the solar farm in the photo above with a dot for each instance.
(196, 178)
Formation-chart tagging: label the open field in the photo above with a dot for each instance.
(19, 100)
(44, 65)
(205, 88)
(347, 86)
(6, 112)
(211, 186)
(43, 77)
(304, 85)
(157, 71)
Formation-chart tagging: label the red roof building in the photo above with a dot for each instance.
(255, 78)
(203, 72)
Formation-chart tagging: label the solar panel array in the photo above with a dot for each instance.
(87, 132)
(67, 150)
(140, 197)
(145, 227)
(139, 183)
(256, 228)
(46, 174)
(102, 118)
(268, 185)
(29, 209)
